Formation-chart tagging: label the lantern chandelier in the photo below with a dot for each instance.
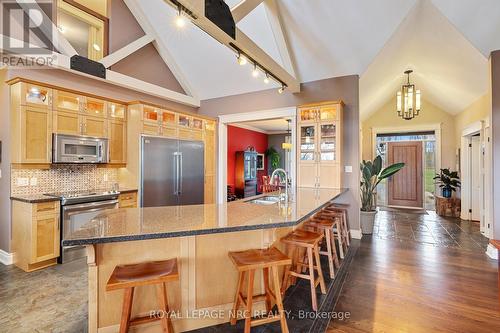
(408, 99)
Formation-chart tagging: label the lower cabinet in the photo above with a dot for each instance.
(35, 234)
(127, 200)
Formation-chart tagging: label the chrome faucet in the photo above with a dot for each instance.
(286, 181)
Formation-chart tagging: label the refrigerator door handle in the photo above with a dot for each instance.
(176, 173)
(180, 173)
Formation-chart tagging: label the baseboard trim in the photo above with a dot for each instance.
(356, 233)
(492, 252)
(6, 258)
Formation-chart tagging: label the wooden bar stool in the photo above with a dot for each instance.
(302, 239)
(338, 232)
(247, 262)
(129, 277)
(326, 226)
(343, 209)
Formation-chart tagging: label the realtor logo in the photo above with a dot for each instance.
(26, 28)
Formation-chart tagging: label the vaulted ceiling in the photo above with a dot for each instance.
(446, 43)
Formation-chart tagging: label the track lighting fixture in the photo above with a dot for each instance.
(280, 90)
(266, 79)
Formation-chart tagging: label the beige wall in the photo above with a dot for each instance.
(479, 110)
(341, 88)
(430, 115)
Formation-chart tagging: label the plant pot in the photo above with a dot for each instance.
(446, 192)
(367, 219)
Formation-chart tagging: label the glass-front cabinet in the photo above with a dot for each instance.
(328, 141)
(67, 101)
(319, 142)
(94, 107)
(308, 142)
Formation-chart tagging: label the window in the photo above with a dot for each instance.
(84, 29)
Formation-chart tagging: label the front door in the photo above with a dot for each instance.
(405, 187)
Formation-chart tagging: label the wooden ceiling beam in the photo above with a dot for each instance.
(160, 46)
(244, 8)
(274, 18)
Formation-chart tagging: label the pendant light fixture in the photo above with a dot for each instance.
(408, 99)
(287, 145)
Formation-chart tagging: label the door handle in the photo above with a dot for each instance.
(180, 173)
(176, 173)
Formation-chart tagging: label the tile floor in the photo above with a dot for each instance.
(55, 299)
(429, 228)
(50, 300)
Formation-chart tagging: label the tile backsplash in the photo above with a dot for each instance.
(62, 178)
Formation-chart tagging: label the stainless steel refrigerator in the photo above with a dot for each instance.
(172, 172)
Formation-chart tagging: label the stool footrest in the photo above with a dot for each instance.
(265, 320)
(143, 320)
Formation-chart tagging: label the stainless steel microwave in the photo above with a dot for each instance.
(79, 149)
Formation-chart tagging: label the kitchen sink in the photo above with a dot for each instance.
(266, 200)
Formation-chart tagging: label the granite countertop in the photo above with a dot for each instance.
(128, 224)
(33, 198)
(37, 198)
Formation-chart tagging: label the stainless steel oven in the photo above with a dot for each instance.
(79, 149)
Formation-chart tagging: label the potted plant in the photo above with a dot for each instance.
(448, 181)
(274, 157)
(371, 175)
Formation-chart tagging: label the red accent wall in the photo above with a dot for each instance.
(238, 139)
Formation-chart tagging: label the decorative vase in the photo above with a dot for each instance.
(367, 220)
(446, 191)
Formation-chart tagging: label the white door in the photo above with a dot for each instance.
(476, 178)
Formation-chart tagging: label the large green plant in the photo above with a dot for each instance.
(371, 175)
(274, 157)
(448, 179)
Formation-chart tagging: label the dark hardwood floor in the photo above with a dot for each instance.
(406, 286)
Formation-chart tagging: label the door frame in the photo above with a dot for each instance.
(482, 128)
(411, 129)
(227, 119)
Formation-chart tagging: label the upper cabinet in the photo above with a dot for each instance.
(33, 95)
(37, 111)
(320, 145)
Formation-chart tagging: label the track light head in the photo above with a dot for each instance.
(255, 72)
(180, 20)
(242, 60)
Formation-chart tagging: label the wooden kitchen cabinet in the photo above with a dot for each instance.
(319, 145)
(127, 200)
(33, 95)
(77, 124)
(37, 111)
(31, 135)
(94, 126)
(67, 123)
(35, 234)
(117, 141)
(67, 101)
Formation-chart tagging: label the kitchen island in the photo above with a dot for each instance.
(200, 236)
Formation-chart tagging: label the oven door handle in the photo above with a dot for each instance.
(90, 205)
